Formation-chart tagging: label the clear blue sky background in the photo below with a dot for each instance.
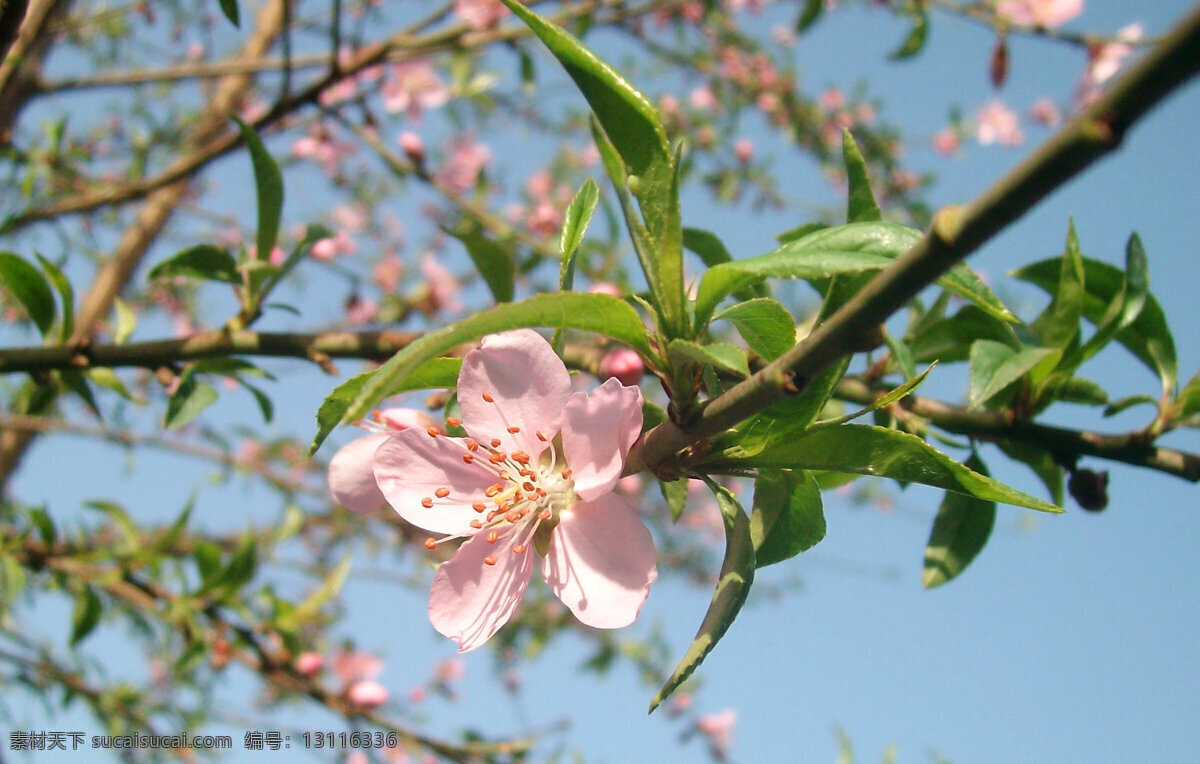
(1071, 638)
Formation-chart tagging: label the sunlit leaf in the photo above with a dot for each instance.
(764, 324)
(30, 288)
(787, 517)
(268, 183)
(960, 531)
(861, 206)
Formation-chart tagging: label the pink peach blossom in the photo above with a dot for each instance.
(603, 287)
(998, 124)
(353, 665)
(338, 244)
(718, 728)
(467, 160)
(531, 485)
(1104, 61)
(743, 149)
(413, 146)
(946, 142)
(367, 694)
(309, 664)
(1039, 13)
(351, 478)
(412, 87)
(1044, 112)
(441, 285)
(480, 14)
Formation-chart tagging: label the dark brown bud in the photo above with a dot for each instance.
(1090, 489)
(998, 69)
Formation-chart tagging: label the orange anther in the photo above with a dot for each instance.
(442, 493)
(468, 458)
(527, 486)
(497, 457)
(518, 549)
(377, 416)
(542, 436)
(541, 492)
(478, 506)
(472, 445)
(520, 457)
(545, 514)
(492, 490)
(566, 473)
(477, 524)
(503, 474)
(489, 560)
(492, 515)
(433, 432)
(488, 397)
(513, 516)
(514, 430)
(495, 443)
(427, 503)
(492, 536)
(431, 543)
(453, 421)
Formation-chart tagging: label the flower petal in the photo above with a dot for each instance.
(411, 467)
(601, 562)
(597, 432)
(352, 475)
(470, 600)
(528, 383)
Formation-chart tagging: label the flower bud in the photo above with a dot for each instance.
(626, 365)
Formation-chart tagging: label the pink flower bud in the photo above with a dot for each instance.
(367, 694)
(604, 287)
(309, 664)
(743, 149)
(626, 365)
(414, 147)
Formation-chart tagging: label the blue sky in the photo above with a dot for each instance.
(1071, 638)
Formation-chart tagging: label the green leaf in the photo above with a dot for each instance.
(733, 585)
(995, 366)
(1117, 406)
(66, 296)
(1062, 387)
(575, 224)
(1128, 305)
(960, 531)
(711, 250)
(312, 604)
(764, 324)
(868, 450)
(78, 384)
(265, 407)
(812, 11)
(108, 379)
(191, 397)
(493, 261)
(45, 525)
(120, 518)
(598, 313)
(949, 339)
(632, 124)
(434, 373)
(852, 248)
(675, 493)
(726, 358)
(1148, 337)
(242, 564)
(126, 321)
(201, 262)
(230, 9)
(1186, 403)
(1058, 325)
(86, 614)
(887, 399)
(915, 40)
(30, 288)
(861, 207)
(268, 183)
(1040, 461)
(787, 518)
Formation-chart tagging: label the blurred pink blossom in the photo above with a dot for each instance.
(441, 285)
(449, 670)
(367, 694)
(467, 160)
(946, 142)
(998, 124)
(413, 147)
(743, 149)
(718, 728)
(480, 14)
(702, 99)
(412, 86)
(386, 273)
(360, 311)
(1104, 61)
(603, 287)
(1039, 13)
(624, 365)
(1044, 112)
(309, 664)
(338, 244)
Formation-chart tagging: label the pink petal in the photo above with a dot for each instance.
(410, 468)
(601, 562)
(470, 600)
(598, 431)
(528, 383)
(352, 475)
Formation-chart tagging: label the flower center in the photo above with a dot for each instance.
(524, 503)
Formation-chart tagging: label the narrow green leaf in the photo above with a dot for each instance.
(1126, 308)
(30, 288)
(949, 339)
(799, 232)
(78, 384)
(1063, 387)
(126, 321)
(718, 355)
(1040, 461)
(86, 614)
(66, 296)
(764, 324)
(733, 585)
(108, 379)
(1187, 402)
(887, 399)
(312, 604)
(262, 399)
(787, 517)
(45, 525)
(861, 206)
(492, 259)
(191, 397)
(575, 224)
(119, 517)
(915, 40)
(268, 182)
(201, 262)
(878, 451)
(598, 313)
(960, 531)
(812, 11)
(675, 493)
(712, 251)
(242, 564)
(434, 373)
(1148, 337)
(995, 366)
(1058, 325)
(230, 9)
(1117, 406)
